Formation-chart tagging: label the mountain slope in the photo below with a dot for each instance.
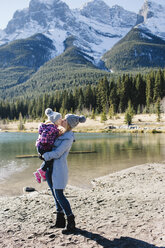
(76, 39)
(96, 26)
(144, 45)
(136, 50)
(67, 70)
(153, 12)
(21, 58)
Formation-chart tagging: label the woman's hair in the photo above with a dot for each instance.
(68, 127)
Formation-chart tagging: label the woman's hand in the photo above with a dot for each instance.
(40, 157)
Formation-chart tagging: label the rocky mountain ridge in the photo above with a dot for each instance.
(96, 27)
(154, 18)
(144, 45)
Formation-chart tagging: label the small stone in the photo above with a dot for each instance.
(30, 237)
(28, 189)
(52, 236)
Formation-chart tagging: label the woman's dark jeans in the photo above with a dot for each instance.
(62, 204)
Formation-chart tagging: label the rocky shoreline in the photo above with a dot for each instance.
(142, 123)
(125, 209)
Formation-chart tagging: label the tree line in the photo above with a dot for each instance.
(141, 92)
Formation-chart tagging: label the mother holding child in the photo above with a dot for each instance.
(56, 171)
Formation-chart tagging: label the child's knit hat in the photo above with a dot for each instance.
(52, 116)
(74, 120)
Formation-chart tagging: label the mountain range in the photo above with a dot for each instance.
(48, 46)
(144, 45)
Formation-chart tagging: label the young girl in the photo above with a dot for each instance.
(48, 132)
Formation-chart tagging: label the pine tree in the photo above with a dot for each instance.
(148, 92)
(76, 97)
(157, 87)
(80, 100)
(103, 115)
(158, 109)
(103, 95)
(38, 107)
(114, 99)
(141, 90)
(129, 114)
(65, 102)
(71, 102)
(44, 104)
(88, 97)
(124, 92)
(21, 125)
(111, 111)
(93, 116)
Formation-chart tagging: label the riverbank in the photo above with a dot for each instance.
(141, 123)
(124, 209)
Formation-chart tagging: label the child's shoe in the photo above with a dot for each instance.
(42, 174)
(37, 176)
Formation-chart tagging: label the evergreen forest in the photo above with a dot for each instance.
(108, 96)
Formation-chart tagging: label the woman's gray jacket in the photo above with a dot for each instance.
(59, 153)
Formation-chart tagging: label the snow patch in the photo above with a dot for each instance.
(156, 23)
(50, 2)
(94, 34)
(146, 36)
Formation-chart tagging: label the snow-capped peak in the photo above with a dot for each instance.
(161, 2)
(96, 27)
(92, 2)
(153, 12)
(46, 1)
(50, 2)
(152, 8)
(96, 9)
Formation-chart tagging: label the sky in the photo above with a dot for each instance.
(8, 7)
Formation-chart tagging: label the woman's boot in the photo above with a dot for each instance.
(71, 226)
(60, 221)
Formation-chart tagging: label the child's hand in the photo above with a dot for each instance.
(61, 130)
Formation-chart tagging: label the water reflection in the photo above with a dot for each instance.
(113, 152)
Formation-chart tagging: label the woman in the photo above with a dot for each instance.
(58, 178)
